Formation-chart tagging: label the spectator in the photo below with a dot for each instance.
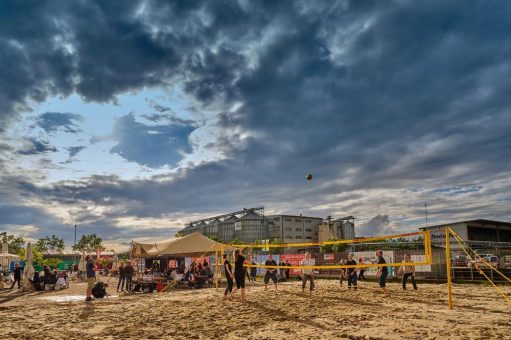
(362, 270)
(122, 278)
(128, 273)
(17, 276)
(288, 270)
(91, 276)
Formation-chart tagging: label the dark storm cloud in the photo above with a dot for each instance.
(152, 145)
(52, 121)
(74, 150)
(36, 147)
(364, 95)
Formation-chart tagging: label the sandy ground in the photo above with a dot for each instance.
(331, 312)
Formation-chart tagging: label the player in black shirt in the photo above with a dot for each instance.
(228, 275)
(352, 272)
(382, 271)
(239, 274)
(270, 272)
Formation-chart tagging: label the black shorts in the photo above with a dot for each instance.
(269, 275)
(383, 279)
(240, 280)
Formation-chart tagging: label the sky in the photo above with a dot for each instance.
(130, 119)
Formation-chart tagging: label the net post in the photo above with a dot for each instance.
(216, 266)
(448, 260)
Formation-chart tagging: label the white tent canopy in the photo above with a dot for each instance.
(194, 244)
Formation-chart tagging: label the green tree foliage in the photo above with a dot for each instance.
(37, 256)
(15, 242)
(51, 245)
(215, 238)
(236, 241)
(52, 263)
(41, 246)
(333, 248)
(124, 256)
(89, 243)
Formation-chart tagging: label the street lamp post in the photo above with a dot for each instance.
(75, 233)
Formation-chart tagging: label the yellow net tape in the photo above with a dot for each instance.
(425, 239)
(314, 244)
(460, 241)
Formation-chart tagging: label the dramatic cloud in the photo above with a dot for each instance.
(52, 121)
(35, 147)
(388, 104)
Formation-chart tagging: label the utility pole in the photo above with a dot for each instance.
(426, 206)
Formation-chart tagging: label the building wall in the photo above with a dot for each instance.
(343, 230)
(295, 229)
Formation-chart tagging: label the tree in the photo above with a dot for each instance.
(277, 250)
(15, 242)
(55, 245)
(89, 243)
(41, 246)
(37, 256)
(215, 238)
(52, 245)
(333, 248)
(236, 241)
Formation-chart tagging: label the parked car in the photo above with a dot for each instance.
(505, 261)
(459, 261)
(487, 259)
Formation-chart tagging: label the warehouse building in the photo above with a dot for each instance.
(294, 228)
(476, 232)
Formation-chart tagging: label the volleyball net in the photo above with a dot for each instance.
(333, 254)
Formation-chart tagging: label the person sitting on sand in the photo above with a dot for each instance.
(307, 273)
(99, 290)
(239, 274)
(61, 282)
(382, 272)
(408, 271)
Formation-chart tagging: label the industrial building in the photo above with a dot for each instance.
(294, 229)
(477, 232)
(246, 226)
(339, 229)
(249, 225)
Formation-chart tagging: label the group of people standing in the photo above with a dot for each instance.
(125, 276)
(407, 270)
